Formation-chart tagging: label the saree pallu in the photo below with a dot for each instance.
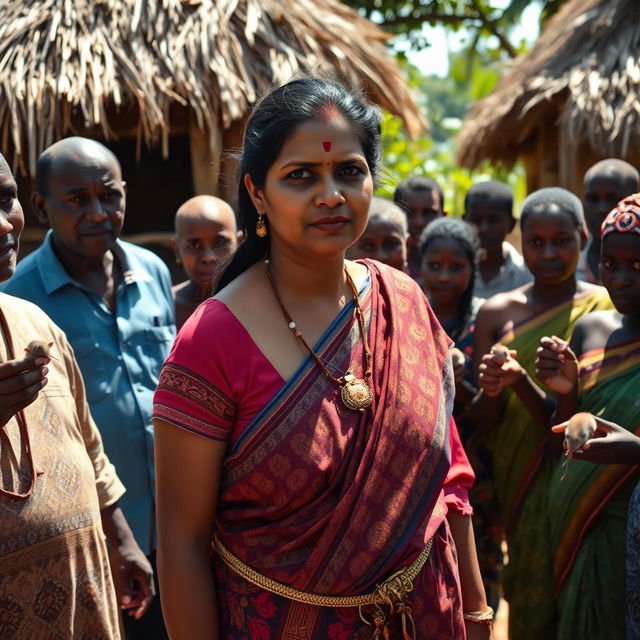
(324, 499)
(522, 467)
(588, 508)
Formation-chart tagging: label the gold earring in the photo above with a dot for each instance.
(261, 227)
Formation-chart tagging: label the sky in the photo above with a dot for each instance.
(434, 60)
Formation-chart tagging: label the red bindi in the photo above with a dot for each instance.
(327, 146)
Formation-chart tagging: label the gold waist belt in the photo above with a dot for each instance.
(391, 593)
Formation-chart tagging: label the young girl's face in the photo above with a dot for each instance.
(620, 271)
(551, 244)
(317, 192)
(382, 240)
(446, 270)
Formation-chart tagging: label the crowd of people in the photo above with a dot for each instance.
(362, 411)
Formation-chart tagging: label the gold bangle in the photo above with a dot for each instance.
(480, 617)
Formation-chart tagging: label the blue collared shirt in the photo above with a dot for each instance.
(120, 355)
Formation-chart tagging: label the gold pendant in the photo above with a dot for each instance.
(355, 393)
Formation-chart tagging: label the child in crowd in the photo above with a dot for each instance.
(605, 184)
(449, 260)
(516, 408)
(205, 236)
(422, 201)
(489, 207)
(385, 238)
(599, 373)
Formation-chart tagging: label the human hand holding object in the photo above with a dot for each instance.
(557, 365)
(499, 369)
(609, 443)
(20, 383)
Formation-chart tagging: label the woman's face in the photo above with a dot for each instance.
(551, 244)
(317, 192)
(446, 271)
(620, 271)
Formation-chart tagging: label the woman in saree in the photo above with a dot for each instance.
(304, 442)
(598, 373)
(515, 407)
(449, 262)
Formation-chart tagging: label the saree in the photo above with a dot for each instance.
(327, 500)
(522, 467)
(588, 508)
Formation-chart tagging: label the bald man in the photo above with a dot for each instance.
(605, 184)
(113, 300)
(205, 237)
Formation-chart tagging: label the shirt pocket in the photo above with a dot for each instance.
(91, 363)
(156, 335)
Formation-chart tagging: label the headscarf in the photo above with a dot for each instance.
(624, 218)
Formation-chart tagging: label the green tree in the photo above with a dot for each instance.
(445, 101)
(481, 18)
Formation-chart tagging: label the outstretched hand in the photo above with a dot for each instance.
(611, 444)
(557, 365)
(495, 373)
(20, 383)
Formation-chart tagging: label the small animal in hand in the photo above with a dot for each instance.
(579, 429)
(38, 349)
(500, 351)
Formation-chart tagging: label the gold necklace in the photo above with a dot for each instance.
(355, 393)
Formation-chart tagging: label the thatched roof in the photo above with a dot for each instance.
(583, 72)
(67, 65)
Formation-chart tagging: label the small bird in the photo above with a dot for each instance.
(38, 349)
(579, 429)
(500, 351)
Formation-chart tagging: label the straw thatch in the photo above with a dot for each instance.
(582, 75)
(70, 65)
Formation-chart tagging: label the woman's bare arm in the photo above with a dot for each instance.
(188, 469)
(473, 594)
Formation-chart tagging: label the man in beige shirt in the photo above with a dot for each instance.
(58, 491)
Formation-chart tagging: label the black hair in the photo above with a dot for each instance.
(497, 193)
(417, 183)
(467, 238)
(614, 168)
(272, 121)
(553, 196)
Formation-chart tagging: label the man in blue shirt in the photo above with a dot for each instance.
(114, 302)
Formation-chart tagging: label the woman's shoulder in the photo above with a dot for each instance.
(211, 326)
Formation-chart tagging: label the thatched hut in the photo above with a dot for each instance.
(169, 83)
(572, 100)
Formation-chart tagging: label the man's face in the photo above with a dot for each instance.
(492, 221)
(84, 205)
(421, 206)
(11, 222)
(601, 194)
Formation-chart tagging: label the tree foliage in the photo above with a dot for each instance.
(481, 18)
(445, 101)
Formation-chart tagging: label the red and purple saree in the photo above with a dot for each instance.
(317, 496)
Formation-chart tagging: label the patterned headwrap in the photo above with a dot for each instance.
(625, 218)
